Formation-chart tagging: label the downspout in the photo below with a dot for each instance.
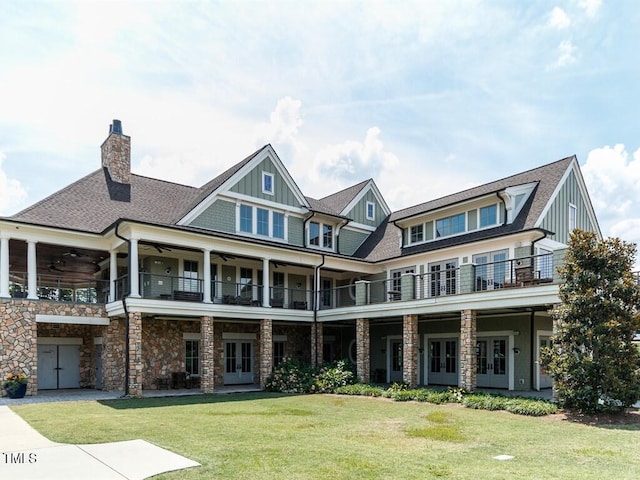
(316, 298)
(126, 314)
(304, 228)
(504, 207)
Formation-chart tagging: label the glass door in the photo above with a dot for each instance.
(238, 362)
(492, 362)
(443, 362)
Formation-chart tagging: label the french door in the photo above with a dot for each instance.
(492, 367)
(442, 278)
(443, 361)
(544, 380)
(394, 359)
(238, 362)
(491, 270)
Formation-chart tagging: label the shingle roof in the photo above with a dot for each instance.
(339, 200)
(87, 205)
(384, 243)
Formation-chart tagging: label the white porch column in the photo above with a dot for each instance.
(266, 296)
(113, 274)
(206, 262)
(32, 271)
(4, 267)
(134, 274)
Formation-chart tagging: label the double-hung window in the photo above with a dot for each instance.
(450, 225)
(320, 235)
(417, 233)
(488, 216)
(278, 225)
(246, 218)
(263, 221)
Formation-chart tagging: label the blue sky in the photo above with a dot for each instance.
(426, 97)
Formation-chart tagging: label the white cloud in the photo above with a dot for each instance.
(566, 54)
(559, 18)
(12, 193)
(613, 179)
(282, 130)
(591, 7)
(351, 161)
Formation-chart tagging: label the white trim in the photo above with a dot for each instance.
(427, 337)
(191, 336)
(539, 333)
(369, 187)
(272, 176)
(358, 226)
(59, 341)
(68, 319)
(389, 354)
(373, 209)
(223, 189)
(238, 336)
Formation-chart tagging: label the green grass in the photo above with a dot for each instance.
(267, 436)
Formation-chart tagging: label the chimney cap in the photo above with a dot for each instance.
(116, 127)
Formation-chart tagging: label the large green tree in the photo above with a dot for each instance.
(592, 359)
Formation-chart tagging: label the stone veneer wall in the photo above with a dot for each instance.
(317, 342)
(266, 350)
(163, 348)
(19, 332)
(468, 349)
(363, 350)
(135, 354)
(298, 345)
(207, 365)
(410, 349)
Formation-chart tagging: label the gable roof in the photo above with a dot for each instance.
(385, 242)
(338, 201)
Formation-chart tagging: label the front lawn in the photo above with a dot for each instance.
(275, 436)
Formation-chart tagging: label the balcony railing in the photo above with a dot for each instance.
(59, 288)
(514, 273)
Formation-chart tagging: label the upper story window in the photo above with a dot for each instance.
(488, 216)
(573, 215)
(417, 233)
(371, 211)
(450, 225)
(246, 218)
(262, 221)
(316, 239)
(267, 183)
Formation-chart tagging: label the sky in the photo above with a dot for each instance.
(426, 97)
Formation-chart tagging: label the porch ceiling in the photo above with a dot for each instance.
(57, 260)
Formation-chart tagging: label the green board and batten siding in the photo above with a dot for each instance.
(358, 214)
(251, 185)
(557, 217)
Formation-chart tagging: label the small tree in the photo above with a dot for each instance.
(594, 364)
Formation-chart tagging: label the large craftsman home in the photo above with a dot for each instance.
(126, 283)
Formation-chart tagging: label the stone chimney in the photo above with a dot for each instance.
(116, 154)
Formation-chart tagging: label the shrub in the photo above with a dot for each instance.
(333, 376)
(291, 376)
(361, 389)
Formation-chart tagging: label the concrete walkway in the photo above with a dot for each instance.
(27, 455)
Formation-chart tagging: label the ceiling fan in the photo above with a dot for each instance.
(73, 253)
(54, 268)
